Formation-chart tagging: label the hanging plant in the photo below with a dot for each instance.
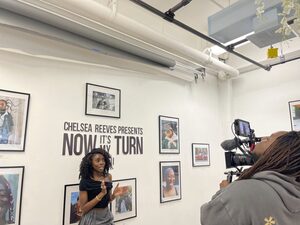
(290, 9)
(260, 8)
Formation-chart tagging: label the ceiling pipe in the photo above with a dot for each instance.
(286, 58)
(229, 48)
(42, 14)
(284, 61)
(171, 12)
(98, 17)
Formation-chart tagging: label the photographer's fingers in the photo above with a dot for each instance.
(223, 184)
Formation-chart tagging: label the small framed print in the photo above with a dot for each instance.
(13, 120)
(200, 154)
(294, 107)
(11, 185)
(170, 181)
(125, 206)
(169, 135)
(72, 212)
(102, 101)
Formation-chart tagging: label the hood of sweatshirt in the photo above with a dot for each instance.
(287, 188)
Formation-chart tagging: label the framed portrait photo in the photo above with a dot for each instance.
(170, 181)
(72, 212)
(11, 185)
(294, 107)
(200, 154)
(102, 101)
(125, 206)
(14, 108)
(169, 135)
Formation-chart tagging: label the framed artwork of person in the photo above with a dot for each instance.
(11, 185)
(294, 108)
(14, 108)
(200, 154)
(72, 212)
(125, 206)
(102, 101)
(169, 142)
(170, 181)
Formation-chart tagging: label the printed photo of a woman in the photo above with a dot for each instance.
(170, 181)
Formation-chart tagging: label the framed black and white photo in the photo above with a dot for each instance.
(200, 154)
(169, 135)
(72, 212)
(170, 181)
(102, 101)
(14, 108)
(11, 185)
(294, 107)
(125, 206)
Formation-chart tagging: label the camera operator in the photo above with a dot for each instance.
(268, 193)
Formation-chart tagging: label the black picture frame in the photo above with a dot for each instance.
(170, 181)
(14, 107)
(294, 109)
(125, 206)
(200, 154)
(102, 101)
(11, 185)
(169, 139)
(71, 214)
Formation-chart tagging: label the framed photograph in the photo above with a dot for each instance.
(11, 185)
(71, 205)
(294, 107)
(125, 206)
(169, 135)
(102, 101)
(14, 108)
(200, 154)
(170, 181)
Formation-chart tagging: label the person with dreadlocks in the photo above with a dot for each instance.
(268, 193)
(96, 188)
(6, 202)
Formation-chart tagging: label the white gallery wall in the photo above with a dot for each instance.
(31, 64)
(262, 97)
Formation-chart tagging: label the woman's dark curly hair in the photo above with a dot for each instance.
(86, 168)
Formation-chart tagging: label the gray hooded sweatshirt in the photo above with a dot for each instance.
(268, 198)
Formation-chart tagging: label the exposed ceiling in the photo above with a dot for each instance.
(124, 24)
(195, 15)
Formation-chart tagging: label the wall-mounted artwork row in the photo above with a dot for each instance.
(13, 120)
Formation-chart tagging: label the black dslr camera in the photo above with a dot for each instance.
(245, 142)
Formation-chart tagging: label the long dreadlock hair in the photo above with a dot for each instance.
(283, 156)
(86, 167)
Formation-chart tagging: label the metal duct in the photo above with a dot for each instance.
(69, 25)
(95, 21)
(237, 20)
